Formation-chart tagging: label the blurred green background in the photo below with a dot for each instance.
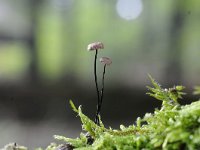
(44, 61)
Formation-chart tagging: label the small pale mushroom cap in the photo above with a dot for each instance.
(95, 46)
(105, 60)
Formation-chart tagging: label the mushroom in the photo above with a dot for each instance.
(91, 47)
(105, 60)
(95, 46)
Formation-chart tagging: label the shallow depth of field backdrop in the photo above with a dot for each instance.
(44, 61)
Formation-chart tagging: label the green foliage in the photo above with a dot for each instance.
(196, 90)
(168, 96)
(172, 127)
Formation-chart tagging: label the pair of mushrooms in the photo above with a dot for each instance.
(105, 61)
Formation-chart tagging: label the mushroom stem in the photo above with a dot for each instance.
(100, 102)
(102, 89)
(97, 88)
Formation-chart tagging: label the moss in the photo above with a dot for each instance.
(172, 127)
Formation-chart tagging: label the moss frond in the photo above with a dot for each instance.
(168, 96)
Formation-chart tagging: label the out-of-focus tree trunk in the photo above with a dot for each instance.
(33, 72)
(174, 68)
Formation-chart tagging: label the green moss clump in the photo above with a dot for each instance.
(172, 127)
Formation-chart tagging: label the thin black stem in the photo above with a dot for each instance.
(102, 89)
(97, 88)
(102, 92)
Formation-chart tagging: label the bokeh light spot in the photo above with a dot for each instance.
(129, 9)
